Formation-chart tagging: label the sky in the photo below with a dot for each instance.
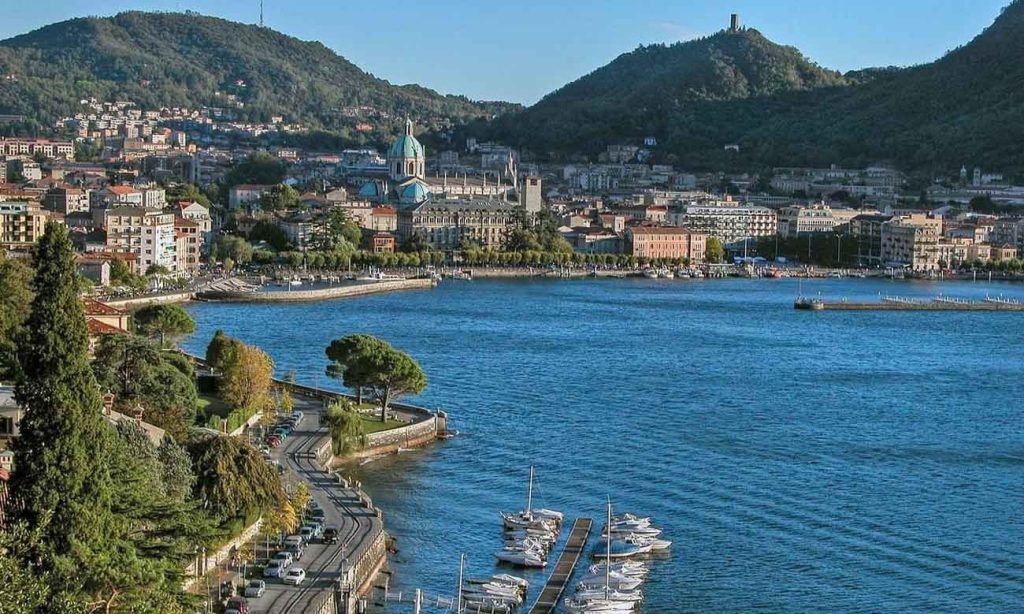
(521, 50)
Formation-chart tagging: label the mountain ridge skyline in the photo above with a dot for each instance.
(527, 78)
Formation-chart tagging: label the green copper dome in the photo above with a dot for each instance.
(407, 146)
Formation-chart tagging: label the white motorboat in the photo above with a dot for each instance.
(628, 517)
(492, 591)
(656, 545)
(614, 581)
(636, 569)
(501, 578)
(666, 274)
(650, 274)
(604, 594)
(620, 532)
(522, 558)
(577, 606)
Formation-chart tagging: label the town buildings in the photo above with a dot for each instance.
(21, 224)
(730, 222)
(665, 242)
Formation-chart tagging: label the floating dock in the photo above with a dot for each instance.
(547, 601)
(894, 303)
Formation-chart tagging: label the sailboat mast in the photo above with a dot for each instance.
(462, 563)
(529, 496)
(608, 557)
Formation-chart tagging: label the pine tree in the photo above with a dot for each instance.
(62, 486)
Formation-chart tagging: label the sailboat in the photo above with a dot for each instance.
(529, 518)
(609, 595)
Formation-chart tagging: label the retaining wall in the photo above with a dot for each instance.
(220, 555)
(343, 291)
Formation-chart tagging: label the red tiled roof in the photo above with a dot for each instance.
(122, 189)
(96, 308)
(384, 211)
(101, 328)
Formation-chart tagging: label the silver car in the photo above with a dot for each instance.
(255, 588)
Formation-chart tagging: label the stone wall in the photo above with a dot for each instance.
(222, 554)
(358, 289)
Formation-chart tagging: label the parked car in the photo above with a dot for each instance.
(273, 441)
(330, 536)
(294, 540)
(285, 556)
(274, 568)
(307, 534)
(237, 605)
(295, 575)
(255, 588)
(297, 415)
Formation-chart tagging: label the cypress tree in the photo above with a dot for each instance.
(61, 481)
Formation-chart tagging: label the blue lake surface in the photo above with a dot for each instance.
(800, 461)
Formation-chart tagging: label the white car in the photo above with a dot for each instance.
(286, 558)
(255, 588)
(295, 575)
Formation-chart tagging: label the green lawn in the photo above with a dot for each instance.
(210, 405)
(374, 425)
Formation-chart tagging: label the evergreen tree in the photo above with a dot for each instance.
(60, 481)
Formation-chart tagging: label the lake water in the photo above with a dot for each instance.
(800, 461)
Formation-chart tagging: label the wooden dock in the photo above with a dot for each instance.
(547, 601)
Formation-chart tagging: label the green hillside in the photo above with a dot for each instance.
(174, 59)
(740, 88)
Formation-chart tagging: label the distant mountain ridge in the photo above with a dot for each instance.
(176, 59)
(781, 109)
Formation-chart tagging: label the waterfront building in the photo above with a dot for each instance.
(159, 243)
(383, 243)
(905, 243)
(189, 241)
(798, 220)
(728, 221)
(665, 242)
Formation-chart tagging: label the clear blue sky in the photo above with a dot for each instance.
(521, 50)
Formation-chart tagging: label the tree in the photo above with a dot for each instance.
(231, 477)
(280, 197)
(161, 382)
(62, 482)
(345, 425)
(351, 361)
(394, 375)
(221, 350)
(247, 378)
(237, 249)
(16, 290)
(260, 168)
(121, 275)
(187, 192)
(178, 478)
(714, 251)
(300, 500)
(164, 321)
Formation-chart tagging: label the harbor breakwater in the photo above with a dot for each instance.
(317, 294)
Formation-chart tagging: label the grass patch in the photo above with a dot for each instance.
(210, 405)
(374, 425)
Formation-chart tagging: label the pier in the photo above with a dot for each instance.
(547, 601)
(896, 303)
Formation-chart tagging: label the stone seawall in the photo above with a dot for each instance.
(155, 299)
(342, 291)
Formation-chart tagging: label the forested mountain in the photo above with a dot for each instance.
(174, 59)
(740, 88)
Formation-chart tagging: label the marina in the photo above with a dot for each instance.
(755, 473)
(554, 588)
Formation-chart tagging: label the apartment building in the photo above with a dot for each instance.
(21, 224)
(731, 223)
(665, 242)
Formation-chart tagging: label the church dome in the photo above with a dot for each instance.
(413, 194)
(372, 190)
(406, 147)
